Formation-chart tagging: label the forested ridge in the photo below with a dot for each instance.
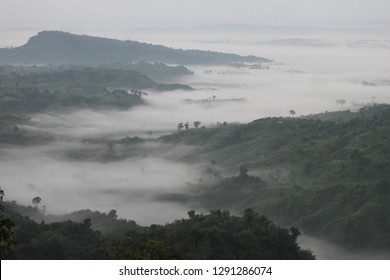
(86, 78)
(62, 48)
(327, 174)
(94, 88)
(217, 235)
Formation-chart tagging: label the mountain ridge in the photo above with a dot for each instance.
(58, 47)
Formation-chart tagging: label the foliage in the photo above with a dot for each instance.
(356, 216)
(229, 192)
(329, 177)
(32, 100)
(6, 233)
(66, 240)
(217, 235)
(156, 71)
(78, 79)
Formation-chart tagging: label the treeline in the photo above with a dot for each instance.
(33, 89)
(31, 100)
(155, 71)
(304, 149)
(84, 78)
(26, 90)
(217, 235)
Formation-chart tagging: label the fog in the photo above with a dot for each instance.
(324, 250)
(309, 72)
(63, 14)
(130, 186)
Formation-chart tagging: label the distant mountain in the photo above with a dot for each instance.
(56, 47)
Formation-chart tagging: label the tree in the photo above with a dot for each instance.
(180, 126)
(1, 199)
(112, 214)
(243, 171)
(196, 124)
(186, 125)
(191, 214)
(36, 200)
(292, 113)
(295, 233)
(6, 234)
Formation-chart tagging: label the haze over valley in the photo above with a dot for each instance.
(291, 121)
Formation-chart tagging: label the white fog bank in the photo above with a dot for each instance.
(309, 72)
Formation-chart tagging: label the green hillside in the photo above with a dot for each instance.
(217, 235)
(329, 178)
(84, 79)
(73, 89)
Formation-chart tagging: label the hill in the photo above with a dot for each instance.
(56, 47)
(330, 178)
(84, 78)
(94, 88)
(217, 235)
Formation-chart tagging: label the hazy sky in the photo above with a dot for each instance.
(91, 14)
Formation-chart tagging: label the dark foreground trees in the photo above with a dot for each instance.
(217, 235)
(6, 225)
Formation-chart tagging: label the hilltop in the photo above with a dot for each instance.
(57, 47)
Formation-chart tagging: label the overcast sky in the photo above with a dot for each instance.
(91, 14)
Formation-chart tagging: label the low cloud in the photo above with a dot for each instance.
(307, 79)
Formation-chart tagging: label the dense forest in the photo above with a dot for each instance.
(325, 174)
(328, 174)
(259, 184)
(86, 78)
(217, 235)
(77, 88)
